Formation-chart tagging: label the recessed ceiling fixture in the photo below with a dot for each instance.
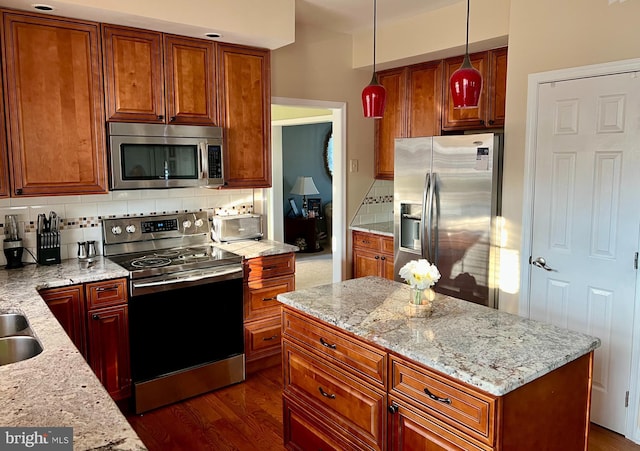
(42, 7)
(374, 94)
(213, 35)
(466, 82)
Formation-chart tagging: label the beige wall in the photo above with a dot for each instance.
(547, 35)
(318, 67)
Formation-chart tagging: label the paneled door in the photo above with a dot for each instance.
(586, 217)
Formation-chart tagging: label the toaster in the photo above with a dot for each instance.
(236, 228)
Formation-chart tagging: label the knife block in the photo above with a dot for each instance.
(48, 248)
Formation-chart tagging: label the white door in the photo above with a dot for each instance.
(586, 223)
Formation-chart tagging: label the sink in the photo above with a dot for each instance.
(13, 324)
(17, 348)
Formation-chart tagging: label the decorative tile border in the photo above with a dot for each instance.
(377, 200)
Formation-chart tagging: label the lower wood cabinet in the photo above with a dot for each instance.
(265, 278)
(95, 316)
(342, 392)
(372, 255)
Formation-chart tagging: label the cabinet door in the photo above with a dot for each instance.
(67, 305)
(425, 99)
(4, 163)
(54, 105)
(498, 87)
(393, 123)
(245, 90)
(366, 263)
(108, 332)
(190, 81)
(465, 118)
(134, 79)
(410, 430)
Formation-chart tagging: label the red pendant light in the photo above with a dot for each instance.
(466, 82)
(374, 95)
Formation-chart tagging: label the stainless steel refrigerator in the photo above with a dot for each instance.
(447, 195)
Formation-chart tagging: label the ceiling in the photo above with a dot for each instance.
(348, 16)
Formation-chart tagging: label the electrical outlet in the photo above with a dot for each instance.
(353, 165)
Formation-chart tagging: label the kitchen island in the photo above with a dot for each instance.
(57, 387)
(468, 377)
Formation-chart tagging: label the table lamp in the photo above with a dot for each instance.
(303, 187)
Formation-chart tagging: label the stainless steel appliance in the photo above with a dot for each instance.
(185, 306)
(237, 228)
(165, 156)
(12, 244)
(447, 195)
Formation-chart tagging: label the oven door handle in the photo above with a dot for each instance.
(187, 279)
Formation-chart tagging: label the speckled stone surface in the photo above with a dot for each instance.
(57, 387)
(380, 228)
(491, 350)
(252, 248)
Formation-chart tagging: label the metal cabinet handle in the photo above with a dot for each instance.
(160, 117)
(172, 118)
(325, 394)
(111, 288)
(270, 338)
(377, 257)
(437, 398)
(383, 258)
(540, 262)
(327, 345)
(95, 316)
(393, 408)
(272, 298)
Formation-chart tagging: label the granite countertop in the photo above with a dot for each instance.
(57, 387)
(491, 350)
(257, 248)
(380, 228)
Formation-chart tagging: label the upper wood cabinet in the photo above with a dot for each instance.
(4, 163)
(158, 78)
(54, 105)
(424, 99)
(244, 89)
(490, 111)
(393, 124)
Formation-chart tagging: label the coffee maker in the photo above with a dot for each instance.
(12, 244)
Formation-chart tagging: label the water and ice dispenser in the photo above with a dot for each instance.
(410, 226)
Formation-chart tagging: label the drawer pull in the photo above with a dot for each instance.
(393, 408)
(325, 394)
(327, 345)
(270, 338)
(111, 288)
(272, 298)
(437, 398)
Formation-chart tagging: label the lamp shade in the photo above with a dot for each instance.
(374, 98)
(466, 85)
(304, 186)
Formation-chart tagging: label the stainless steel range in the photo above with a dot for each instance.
(185, 306)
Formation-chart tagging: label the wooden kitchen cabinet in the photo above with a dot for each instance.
(158, 78)
(68, 306)
(4, 162)
(372, 255)
(244, 88)
(108, 335)
(490, 111)
(266, 277)
(424, 99)
(393, 124)
(54, 105)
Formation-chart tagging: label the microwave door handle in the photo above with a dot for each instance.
(204, 161)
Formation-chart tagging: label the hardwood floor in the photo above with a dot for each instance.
(248, 416)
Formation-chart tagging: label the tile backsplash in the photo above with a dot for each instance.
(81, 216)
(377, 205)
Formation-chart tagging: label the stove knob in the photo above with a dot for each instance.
(199, 222)
(186, 224)
(116, 230)
(130, 228)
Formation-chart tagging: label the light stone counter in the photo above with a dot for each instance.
(253, 248)
(380, 228)
(57, 387)
(491, 350)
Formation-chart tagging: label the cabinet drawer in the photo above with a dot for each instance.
(363, 359)
(106, 293)
(262, 338)
(387, 245)
(271, 266)
(367, 241)
(453, 403)
(303, 431)
(353, 405)
(261, 296)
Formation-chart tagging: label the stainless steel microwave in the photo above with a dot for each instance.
(164, 156)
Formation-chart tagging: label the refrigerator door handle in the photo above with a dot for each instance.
(427, 217)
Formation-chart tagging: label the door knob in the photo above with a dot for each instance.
(540, 262)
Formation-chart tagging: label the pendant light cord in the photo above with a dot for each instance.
(374, 34)
(466, 49)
